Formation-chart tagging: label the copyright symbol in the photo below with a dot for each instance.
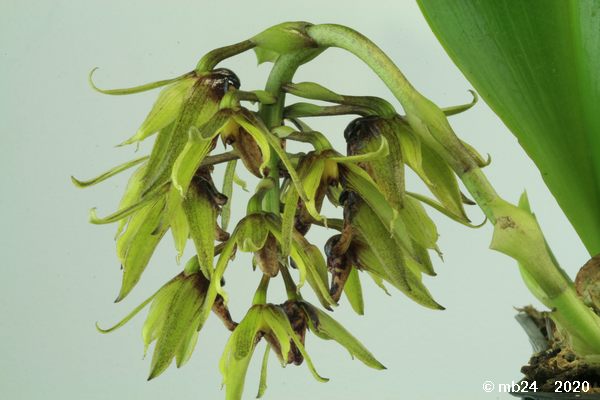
(488, 386)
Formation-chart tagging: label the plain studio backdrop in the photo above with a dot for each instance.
(60, 274)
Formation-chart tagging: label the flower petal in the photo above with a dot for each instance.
(280, 319)
(157, 315)
(238, 352)
(197, 147)
(135, 89)
(136, 245)
(201, 215)
(353, 291)
(262, 385)
(164, 111)
(228, 179)
(462, 107)
(127, 211)
(111, 172)
(182, 312)
(328, 328)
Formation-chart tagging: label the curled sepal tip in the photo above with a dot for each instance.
(382, 151)
(128, 317)
(134, 89)
(439, 207)
(127, 211)
(462, 107)
(110, 173)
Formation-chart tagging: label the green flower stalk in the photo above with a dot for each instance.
(384, 229)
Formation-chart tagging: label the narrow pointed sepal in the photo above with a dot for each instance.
(135, 89)
(327, 328)
(448, 111)
(108, 174)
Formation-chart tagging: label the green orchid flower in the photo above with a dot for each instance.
(173, 321)
(260, 233)
(151, 205)
(366, 244)
(284, 328)
(262, 320)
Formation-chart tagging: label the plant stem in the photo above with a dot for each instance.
(302, 110)
(260, 296)
(272, 115)
(290, 287)
(420, 110)
(212, 58)
(220, 158)
(516, 232)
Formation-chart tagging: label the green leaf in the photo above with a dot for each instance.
(536, 63)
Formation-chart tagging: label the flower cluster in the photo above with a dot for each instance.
(384, 230)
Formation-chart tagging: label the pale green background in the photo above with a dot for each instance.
(60, 274)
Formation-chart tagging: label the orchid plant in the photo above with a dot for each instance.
(383, 230)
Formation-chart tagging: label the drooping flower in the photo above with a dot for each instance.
(262, 320)
(366, 244)
(284, 328)
(259, 230)
(173, 321)
(151, 205)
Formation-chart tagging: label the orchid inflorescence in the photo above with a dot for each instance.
(384, 230)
